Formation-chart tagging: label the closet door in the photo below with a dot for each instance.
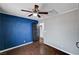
(34, 32)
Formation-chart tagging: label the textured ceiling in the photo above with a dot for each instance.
(52, 8)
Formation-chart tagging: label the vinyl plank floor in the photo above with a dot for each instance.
(35, 48)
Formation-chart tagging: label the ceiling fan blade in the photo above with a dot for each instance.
(30, 15)
(39, 16)
(26, 11)
(43, 12)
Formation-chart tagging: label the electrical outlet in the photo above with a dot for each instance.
(24, 41)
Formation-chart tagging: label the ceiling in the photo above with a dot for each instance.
(52, 8)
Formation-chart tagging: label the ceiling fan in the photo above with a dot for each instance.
(35, 11)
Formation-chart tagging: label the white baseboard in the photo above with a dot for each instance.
(58, 48)
(15, 47)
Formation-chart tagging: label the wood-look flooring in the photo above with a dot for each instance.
(35, 48)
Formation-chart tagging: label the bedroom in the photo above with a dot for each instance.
(57, 28)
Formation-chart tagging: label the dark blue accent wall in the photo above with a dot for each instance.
(15, 31)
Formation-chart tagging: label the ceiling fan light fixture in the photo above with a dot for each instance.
(34, 14)
(35, 11)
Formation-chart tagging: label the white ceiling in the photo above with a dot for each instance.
(15, 8)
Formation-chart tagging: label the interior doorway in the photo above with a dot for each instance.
(40, 28)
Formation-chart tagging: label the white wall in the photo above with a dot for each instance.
(62, 31)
